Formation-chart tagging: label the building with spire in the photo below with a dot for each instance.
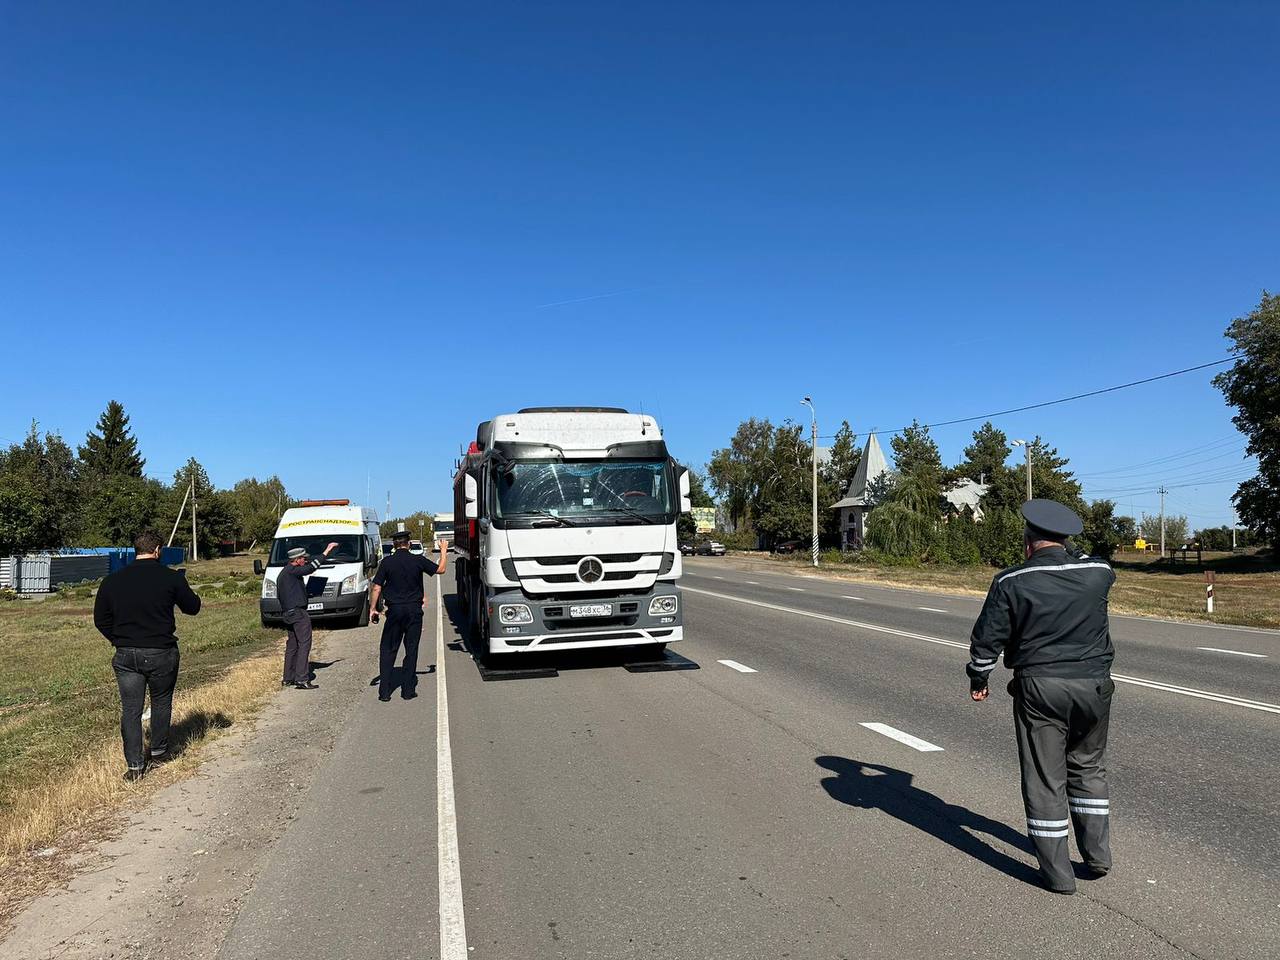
(853, 508)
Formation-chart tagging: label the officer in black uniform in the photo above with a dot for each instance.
(1049, 618)
(399, 582)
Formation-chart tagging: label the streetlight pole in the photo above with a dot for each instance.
(1027, 449)
(814, 415)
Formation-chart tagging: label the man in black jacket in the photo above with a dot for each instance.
(134, 610)
(1049, 618)
(291, 589)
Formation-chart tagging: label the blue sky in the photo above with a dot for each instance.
(325, 241)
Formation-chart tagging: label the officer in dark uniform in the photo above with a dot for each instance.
(1049, 618)
(399, 582)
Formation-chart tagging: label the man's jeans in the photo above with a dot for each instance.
(139, 669)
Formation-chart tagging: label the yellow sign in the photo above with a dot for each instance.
(330, 522)
(705, 518)
(1139, 544)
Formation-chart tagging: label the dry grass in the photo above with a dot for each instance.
(1246, 589)
(60, 754)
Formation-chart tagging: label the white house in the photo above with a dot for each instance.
(853, 508)
(967, 493)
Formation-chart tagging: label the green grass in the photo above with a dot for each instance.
(58, 694)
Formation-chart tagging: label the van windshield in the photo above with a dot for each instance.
(350, 549)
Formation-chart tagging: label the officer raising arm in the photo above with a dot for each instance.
(1048, 616)
(399, 577)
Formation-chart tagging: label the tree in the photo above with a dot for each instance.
(737, 471)
(38, 480)
(118, 507)
(112, 450)
(1126, 529)
(1101, 534)
(1175, 529)
(686, 526)
(256, 507)
(914, 452)
(984, 459)
(782, 506)
(215, 513)
(419, 525)
(1050, 480)
(1252, 386)
(843, 462)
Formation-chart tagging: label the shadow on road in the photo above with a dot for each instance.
(872, 786)
(193, 727)
(399, 676)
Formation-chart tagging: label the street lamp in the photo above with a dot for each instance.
(814, 415)
(1026, 447)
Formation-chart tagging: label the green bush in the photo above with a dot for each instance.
(738, 540)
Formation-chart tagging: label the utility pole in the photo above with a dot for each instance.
(388, 505)
(814, 414)
(1026, 449)
(195, 549)
(1162, 491)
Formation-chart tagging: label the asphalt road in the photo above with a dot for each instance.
(704, 811)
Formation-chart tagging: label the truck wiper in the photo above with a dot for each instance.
(550, 516)
(633, 513)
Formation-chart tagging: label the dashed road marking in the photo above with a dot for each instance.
(1238, 653)
(797, 589)
(735, 665)
(877, 628)
(752, 582)
(850, 598)
(931, 609)
(893, 733)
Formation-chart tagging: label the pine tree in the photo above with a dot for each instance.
(112, 450)
(914, 452)
(985, 458)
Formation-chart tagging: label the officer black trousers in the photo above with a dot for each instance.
(297, 647)
(1062, 742)
(403, 625)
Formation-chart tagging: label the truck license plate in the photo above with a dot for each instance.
(315, 606)
(591, 610)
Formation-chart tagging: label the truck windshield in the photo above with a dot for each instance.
(442, 526)
(349, 548)
(629, 491)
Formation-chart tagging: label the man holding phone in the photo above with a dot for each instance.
(400, 576)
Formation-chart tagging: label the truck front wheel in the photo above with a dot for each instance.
(362, 618)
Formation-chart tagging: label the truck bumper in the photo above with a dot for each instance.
(554, 628)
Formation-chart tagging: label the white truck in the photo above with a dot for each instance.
(339, 590)
(566, 538)
(442, 525)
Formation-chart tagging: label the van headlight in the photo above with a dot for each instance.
(268, 589)
(514, 613)
(663, 605)
(349, 584)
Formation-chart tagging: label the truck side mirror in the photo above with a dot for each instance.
(686, 505)
(257, 567)
(472, 493)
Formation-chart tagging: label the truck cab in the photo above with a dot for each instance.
(567, 532)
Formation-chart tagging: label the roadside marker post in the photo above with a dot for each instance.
(1208, 590)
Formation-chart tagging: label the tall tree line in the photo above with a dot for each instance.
(52, 498)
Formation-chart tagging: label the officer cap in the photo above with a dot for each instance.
(400, 536)
(1051, 518)
(297, 553)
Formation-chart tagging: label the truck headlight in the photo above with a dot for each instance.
(268, 589)
(349, 584)
(662, 605)
(514, 613)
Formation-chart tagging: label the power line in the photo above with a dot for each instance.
(1180, 455)
(1050, 403)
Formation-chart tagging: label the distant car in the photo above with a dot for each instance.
(686, 548)
(788, 546)
(710, 548)
(415, 546)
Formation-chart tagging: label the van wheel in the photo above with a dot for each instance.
(362, 618)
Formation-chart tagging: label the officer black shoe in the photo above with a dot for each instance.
(1094, 872)
(386, 699)
(306, 686)
(134, 774)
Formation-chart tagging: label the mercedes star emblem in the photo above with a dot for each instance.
(590, 570)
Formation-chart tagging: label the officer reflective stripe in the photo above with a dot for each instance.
(1056, 566)
(1047, 823)
(1089, 806)
(981, 661)
(1089, 801)
(1047, 833)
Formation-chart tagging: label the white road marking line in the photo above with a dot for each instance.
(714, 577)
(931, 609)
(1136, 681)
(851, 598)
(797, 589)
(453, 925)
(893, 733)
(752, 582)
(1238, 653)
(735, 665)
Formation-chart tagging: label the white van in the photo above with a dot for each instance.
(339, 590)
